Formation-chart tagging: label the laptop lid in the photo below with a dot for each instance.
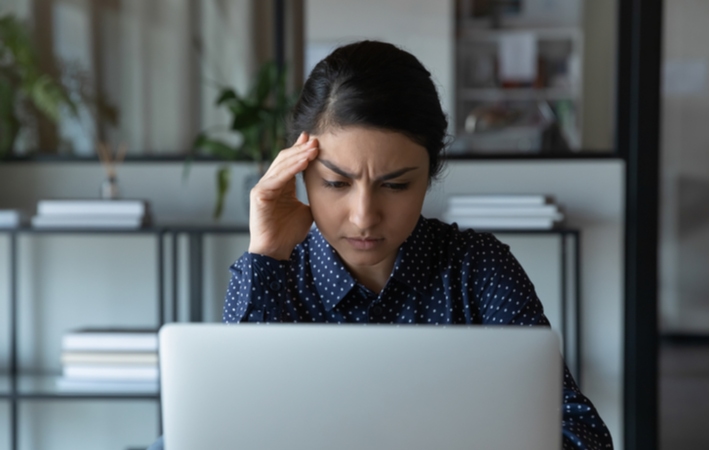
(299, 386)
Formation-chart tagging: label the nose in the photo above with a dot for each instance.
(364, 210)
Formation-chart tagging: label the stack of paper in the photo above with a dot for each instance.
(110, 359)
(91, 214)
(502, 212)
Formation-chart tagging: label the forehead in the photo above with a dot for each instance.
(369, 145)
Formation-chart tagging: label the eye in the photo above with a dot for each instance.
(334, 184)
(396, 186)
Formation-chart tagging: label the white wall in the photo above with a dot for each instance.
(71, 281)
(423, 28)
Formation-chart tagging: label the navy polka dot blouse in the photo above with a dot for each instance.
(441, 276)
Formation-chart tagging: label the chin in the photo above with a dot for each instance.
(362, 258)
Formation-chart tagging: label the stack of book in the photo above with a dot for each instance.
(502, 212)
(110, 360)
(129, 214)
(11, 218)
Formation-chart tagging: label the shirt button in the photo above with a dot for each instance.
(275, 285)
(376, 310)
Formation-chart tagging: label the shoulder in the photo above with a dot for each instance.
(454, 243)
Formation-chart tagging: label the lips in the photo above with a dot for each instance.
(364, 243)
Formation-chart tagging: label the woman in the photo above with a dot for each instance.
(370, 135)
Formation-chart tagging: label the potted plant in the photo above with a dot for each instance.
(258, 119)
(24, 87)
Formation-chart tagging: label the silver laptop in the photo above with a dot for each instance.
(298, 386)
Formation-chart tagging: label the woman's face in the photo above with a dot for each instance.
(366, 190)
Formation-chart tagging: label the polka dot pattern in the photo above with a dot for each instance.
(441, 276)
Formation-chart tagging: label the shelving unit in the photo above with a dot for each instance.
(17, 387)
(20, 387)
(559, 48)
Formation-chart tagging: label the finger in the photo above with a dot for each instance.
(288, 153)
(285, 175)
(304, 142)
(285, 171)
(289, 162)
(287, 158)
(306, 146)
(302, 138)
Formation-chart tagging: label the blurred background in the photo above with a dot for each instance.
(531, 88)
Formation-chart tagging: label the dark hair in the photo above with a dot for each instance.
(373, 84)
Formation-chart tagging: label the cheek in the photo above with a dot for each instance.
(411, 202)
(405, 213)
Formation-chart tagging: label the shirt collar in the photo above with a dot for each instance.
(412, 268)
(332, 280)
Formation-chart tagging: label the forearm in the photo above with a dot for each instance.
(582, 428)
(257, 289)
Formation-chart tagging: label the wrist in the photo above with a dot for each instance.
(277, 254)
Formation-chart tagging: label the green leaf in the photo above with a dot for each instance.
(45, 96)
(226, 95)
(223, 174)
(252, 142)
(9, 124)
(244, 116)
(28, 83)
(258, 117)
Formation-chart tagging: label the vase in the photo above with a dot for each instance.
(109, 189)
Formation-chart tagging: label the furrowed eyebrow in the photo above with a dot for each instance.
(335, 168)
(345, 174)
(396, 173)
